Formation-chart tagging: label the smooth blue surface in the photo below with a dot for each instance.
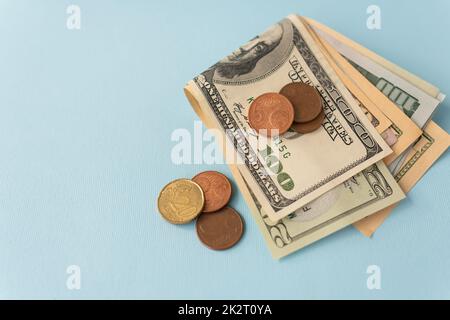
(85, 124)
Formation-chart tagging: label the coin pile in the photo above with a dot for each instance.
(204, 197)
(298, 106)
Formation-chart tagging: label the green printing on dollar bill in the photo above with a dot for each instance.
(401, 98)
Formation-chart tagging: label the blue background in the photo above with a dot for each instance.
(85, 123)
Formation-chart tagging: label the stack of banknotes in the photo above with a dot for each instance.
(376, 141)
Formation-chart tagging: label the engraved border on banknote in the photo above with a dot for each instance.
(278, 230)
(397, 130)
(331, 177)
(408, 165)
(329, 87)
(276, 199)
(373, 120)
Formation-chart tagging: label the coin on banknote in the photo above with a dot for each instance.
(220, 230)
(271, 114)
(181, 201)
(305, 99)
(310, 126)
(216, 188)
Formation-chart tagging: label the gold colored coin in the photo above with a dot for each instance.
(181, 201)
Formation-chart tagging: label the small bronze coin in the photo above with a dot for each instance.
(220, 230)
(216, 187)
(271, 114)
(305, 99)
(311, 126)
(181, 201)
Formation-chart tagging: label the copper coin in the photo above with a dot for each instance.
(305, 99)
(271, 114)
(311, 126)
(220, 230)
(216, 187)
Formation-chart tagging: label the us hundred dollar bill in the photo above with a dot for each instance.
(287, 172)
